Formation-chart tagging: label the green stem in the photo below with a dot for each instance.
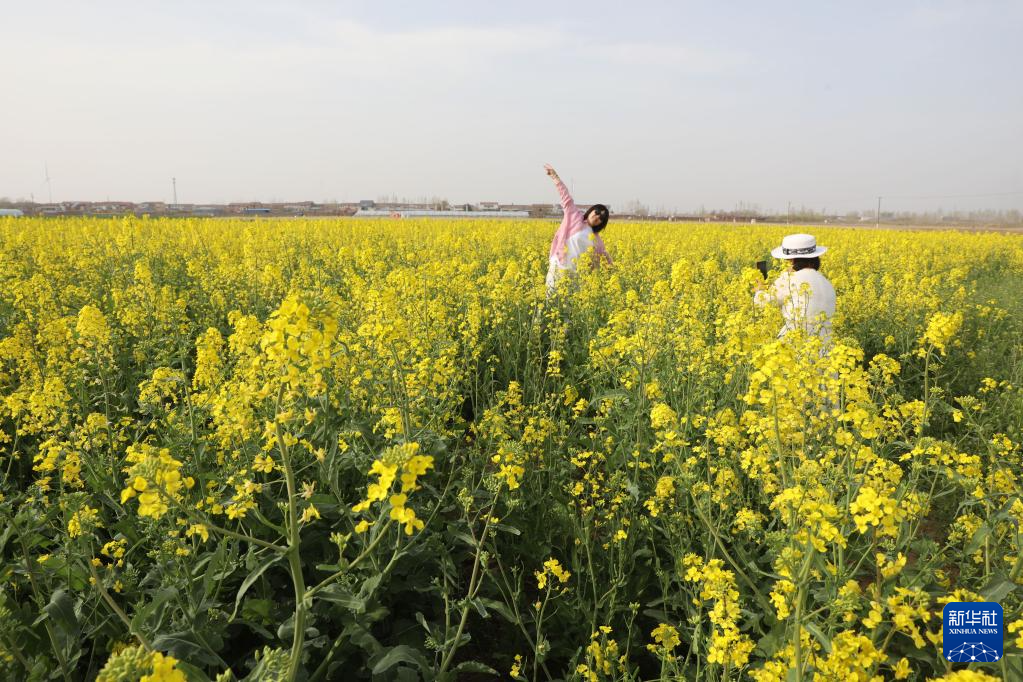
(1014, 573)
(355, 562)
(511, 599)
(115, 608)
(764, 603)
(470, 595)
(797, 643)
(927, 393)
(539, 629)
(17, 653)
(218, 529)
(593, 580)
(245, 538)
(39, 603)
(294, 554)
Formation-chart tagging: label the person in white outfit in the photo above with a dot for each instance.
(806, 297)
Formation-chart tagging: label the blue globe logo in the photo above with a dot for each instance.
(970, 652)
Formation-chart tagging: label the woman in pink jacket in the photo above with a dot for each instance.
(579, 232)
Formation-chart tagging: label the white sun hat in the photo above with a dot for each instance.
(798, 246)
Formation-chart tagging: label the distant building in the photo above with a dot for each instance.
(431, 213)
(113, 207)
(545, 211)
(11, 212)
(301, 208)
(367, 204)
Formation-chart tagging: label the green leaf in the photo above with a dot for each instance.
(773, 641)
(408, 675)
(324, 501)
(362, 638)
(474, 667)
(499, 608)
(657, 614)
(257, 609)
(814, 630)
(979, 536)
(216, 563)
(615, 393)
(61, 612)
(336, 594)
(480, 608)
(422, 621)
(998, 588)
(192, 674)
(249, 579)
(464, 537)
(140, 621)
(186, 646)
(252, 624)
(286, 630)
(267, 522)
(401, 654)
(369, 586)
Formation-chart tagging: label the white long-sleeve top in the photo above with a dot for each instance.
(575, 248)
(807, 301)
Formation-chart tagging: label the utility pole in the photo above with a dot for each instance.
(877, 218)
(788, 214)
(174, 184)
(49, 187)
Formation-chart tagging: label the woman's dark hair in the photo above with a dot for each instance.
(601, 211)
(800, 263)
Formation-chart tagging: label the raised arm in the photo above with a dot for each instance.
(566, 199)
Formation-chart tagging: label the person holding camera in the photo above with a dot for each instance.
(805, 296)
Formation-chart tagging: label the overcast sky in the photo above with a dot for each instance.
(676, 104)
